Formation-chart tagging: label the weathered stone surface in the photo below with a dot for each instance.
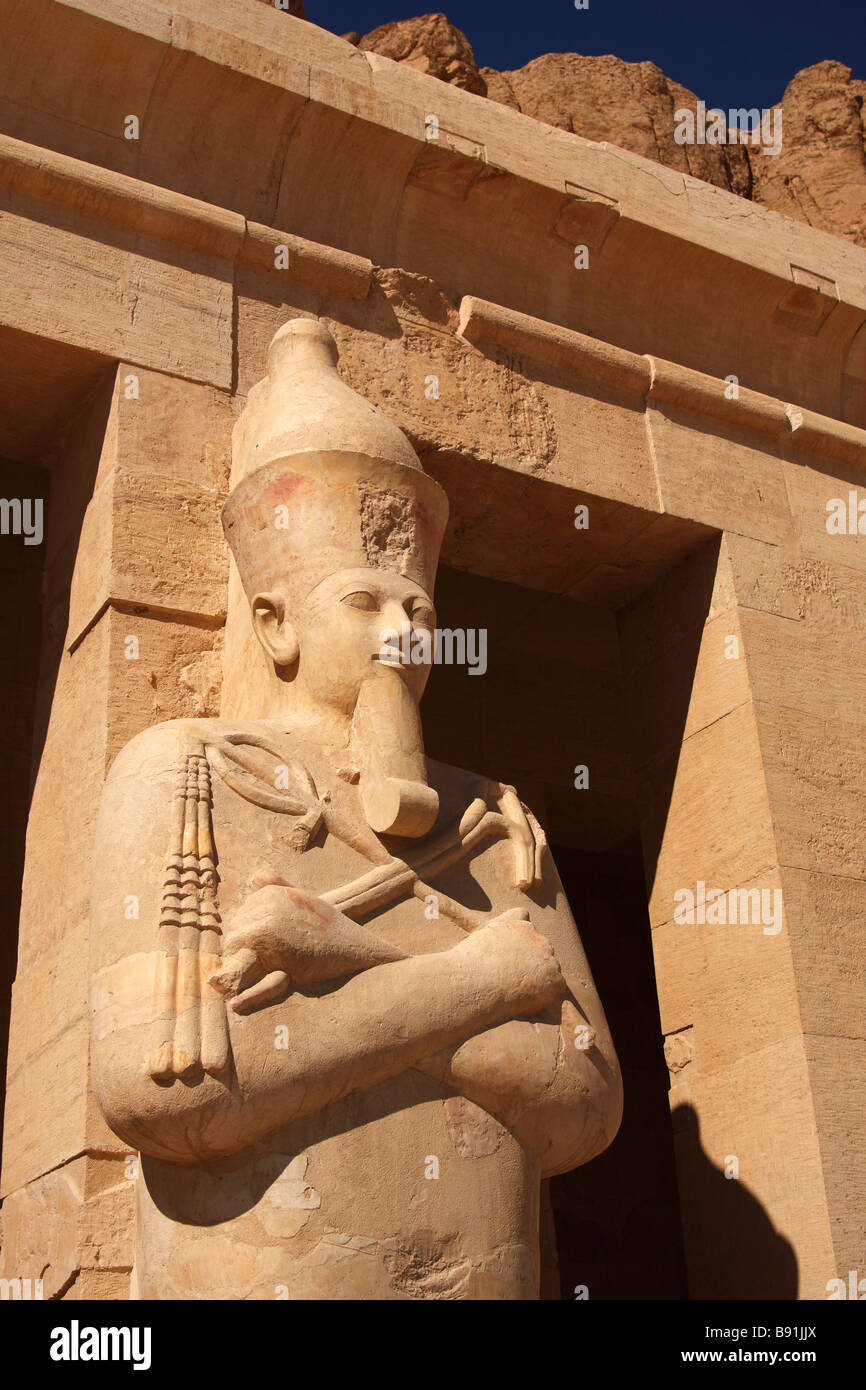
(746, 1223)
(430, 44)
(819, 177)
(448, 1040)
(162, 476)
(630, 104)
(730, 993)
(428, 381)
(87, 1207)
(705, 589)
(157, 309)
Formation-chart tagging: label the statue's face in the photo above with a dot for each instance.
(356, 655)
(345, 630)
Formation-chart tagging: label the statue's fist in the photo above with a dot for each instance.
(527, 957)
(281, 937)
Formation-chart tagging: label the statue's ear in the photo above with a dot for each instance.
(274, 629)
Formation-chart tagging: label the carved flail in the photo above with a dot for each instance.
(190, 1029)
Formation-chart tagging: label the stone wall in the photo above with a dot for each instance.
(818, 176)
(144, 281)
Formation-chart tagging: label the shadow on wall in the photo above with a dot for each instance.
(617, 1219)
(733, 1249)
(661, 635)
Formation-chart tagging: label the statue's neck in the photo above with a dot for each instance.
(329, 729)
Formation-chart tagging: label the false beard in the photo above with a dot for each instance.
(386, 731)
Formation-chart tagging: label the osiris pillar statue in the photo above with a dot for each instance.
(353, 1026)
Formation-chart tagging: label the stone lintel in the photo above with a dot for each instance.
(657, 380)
(160, 212)
(280, 50)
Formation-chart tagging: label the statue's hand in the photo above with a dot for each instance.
(527, 957)
(505, 1068)
(282, 937)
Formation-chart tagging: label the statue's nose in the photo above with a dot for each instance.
(394, 617)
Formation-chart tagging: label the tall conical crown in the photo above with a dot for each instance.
(323, 480)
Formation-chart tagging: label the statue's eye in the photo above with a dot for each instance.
(361, 599)
(423, 616)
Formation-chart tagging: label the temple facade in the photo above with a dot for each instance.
(645, 401)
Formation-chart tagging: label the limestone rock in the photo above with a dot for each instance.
(628, 104)
(820, 175)
(432, 44)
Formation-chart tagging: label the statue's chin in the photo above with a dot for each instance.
(386, 731)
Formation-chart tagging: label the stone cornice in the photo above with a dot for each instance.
(295, 56)
(218, 232)
(159, 212)
(655, 380)
(270, 122)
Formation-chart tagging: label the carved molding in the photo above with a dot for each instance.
(657, 380)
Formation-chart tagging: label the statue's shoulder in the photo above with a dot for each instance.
(461, 786)
(474, 801)
(156, 749)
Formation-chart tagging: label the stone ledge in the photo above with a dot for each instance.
(655, 379)
(175, 217)
(293, 55)
(289, 126)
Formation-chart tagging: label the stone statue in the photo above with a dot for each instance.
(352, 1026)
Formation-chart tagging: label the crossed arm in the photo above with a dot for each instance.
(462, 1015)
(375, 1025)
(530, 1057)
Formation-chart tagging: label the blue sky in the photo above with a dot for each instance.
(729, 54)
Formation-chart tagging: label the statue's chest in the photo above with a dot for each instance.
(256, 845)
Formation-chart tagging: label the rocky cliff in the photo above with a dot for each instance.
(819, 176)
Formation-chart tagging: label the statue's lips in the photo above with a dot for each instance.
(397, 663)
